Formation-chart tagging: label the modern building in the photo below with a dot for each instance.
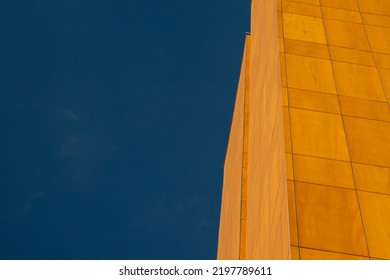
(307, 168)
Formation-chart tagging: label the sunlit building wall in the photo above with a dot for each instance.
(307, 169)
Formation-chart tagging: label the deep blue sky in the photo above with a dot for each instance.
(114, 121)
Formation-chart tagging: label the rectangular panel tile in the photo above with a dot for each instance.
(306, 49)
(304, 28)
(351, 55)
(382, 60)
(339, 14)
(310, 74)
(377, 20)
(310, 254)
(376, 217)
(358, 81)
(368, 141)
(314, 101)
(323, 171)
(346, 34)
(380, 7)
(372, 178)
(344, 4)
(312, 2)
(379, 38)
(318, 134)
(301, 9)
(329, 219)
(365, 108)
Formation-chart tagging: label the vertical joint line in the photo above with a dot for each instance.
(345, 132)
(244, 184)
(291, 142)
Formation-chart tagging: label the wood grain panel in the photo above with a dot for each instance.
(323, 171)
(304, 28)
(229, 227)
(346, 34)
(376, 215)
(329, 219)
(368, 141)
(372, 178)
(267, 224)
(310, 73)
(352, 56)
(318, 134)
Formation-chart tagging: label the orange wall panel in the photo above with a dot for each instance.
(267, 211)
(327, 63)
(339, 120)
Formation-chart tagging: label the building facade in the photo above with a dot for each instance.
(307, 168)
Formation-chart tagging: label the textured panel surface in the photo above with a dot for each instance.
(317, 164)
(310, 254)
(338, 160)
(376, 214)
(268, 234)
(229, 227)
(318, 134)
(310, 73)
(304, 28)
(331, 224)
